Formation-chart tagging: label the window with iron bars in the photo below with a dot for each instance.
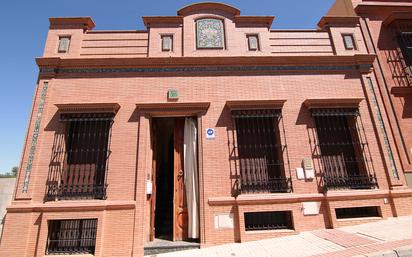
(405, 45)
(400, 58)
(82, 157)
(71, 236)
(342, 149)
(260, 152)
(269, 220)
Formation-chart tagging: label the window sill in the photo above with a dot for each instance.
(399, 91)
(73, 254)
(360, 219)
(264, 198)
(276, 231)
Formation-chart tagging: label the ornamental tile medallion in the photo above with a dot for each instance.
(210, 33)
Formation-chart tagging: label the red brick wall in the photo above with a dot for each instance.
(123, 218)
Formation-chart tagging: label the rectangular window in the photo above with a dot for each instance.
(357, 212)
(71, 236)
(341, 149)
(349, 41)
(64, 43)
(253, 42)
(260, 151)
(271, 220)
(167, 43)
(86, 144)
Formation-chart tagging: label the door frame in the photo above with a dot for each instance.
(146, 112)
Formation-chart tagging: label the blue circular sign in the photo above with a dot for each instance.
(210, 132)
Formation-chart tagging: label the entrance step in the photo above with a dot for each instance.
(164, 246)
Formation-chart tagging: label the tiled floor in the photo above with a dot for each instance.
(350, 241)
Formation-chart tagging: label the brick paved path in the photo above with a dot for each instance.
(360, 240)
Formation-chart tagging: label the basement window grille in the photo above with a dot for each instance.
(343, 151)
(357, 212)
(272, 220)
(72, 236)
(260, 152)
(85, 158)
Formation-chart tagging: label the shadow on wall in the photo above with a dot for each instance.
(407, 107)
(225, 120)
(57, 155)
(305, 118)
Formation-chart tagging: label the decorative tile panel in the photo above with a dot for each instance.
(210, 33)
(35, 137)
(382, 127)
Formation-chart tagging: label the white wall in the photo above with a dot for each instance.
(6, 193)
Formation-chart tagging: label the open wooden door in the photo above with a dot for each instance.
(180, 216)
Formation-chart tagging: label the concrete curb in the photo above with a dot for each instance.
(405, 251)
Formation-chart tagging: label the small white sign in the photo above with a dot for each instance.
(149, 187)
(224, 220)
(310, 208)
(210, 133)
(300, 173)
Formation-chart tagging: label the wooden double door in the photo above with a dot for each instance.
(168, 133)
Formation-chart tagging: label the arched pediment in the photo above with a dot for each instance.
(198, 7)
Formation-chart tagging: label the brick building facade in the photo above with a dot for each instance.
(208, 126)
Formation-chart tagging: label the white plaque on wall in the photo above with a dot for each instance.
(310, 208)
(224, 220)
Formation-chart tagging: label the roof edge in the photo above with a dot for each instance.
(70, 22)
(208, 5)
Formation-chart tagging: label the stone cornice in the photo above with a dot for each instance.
(73, 206)
(72, 22)
(254, 104)
(207, 6)
(332, 102)
(338, 21)
(176, 109)
(395, 17)
(379, 7)
(88, 107)
(254, 199)
(254, 20)
(164, 20)
(49, 66)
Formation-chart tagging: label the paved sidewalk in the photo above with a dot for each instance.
(390, 237)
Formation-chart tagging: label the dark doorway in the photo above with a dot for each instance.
(164, 158)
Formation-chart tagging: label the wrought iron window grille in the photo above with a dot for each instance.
(400, 59)
(71, 236)
(260, 152)
(80, 157)
(342, 149)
